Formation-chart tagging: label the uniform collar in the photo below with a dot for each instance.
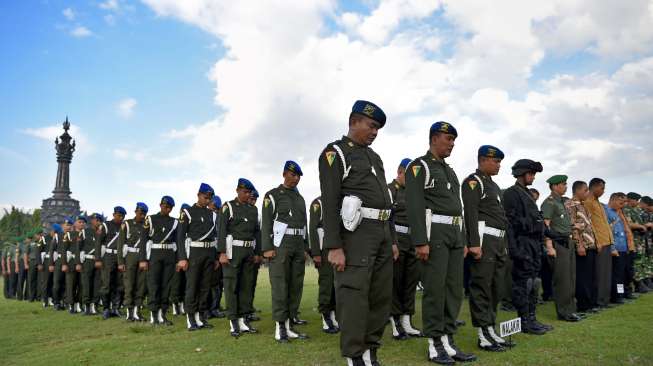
(556, 196)
(433, 157)
(482, 175)
(350, 142)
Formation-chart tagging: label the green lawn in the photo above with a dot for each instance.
(31, 335)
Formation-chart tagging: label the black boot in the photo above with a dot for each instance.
(129, 317)
(162, 317)
(234, 328)
(459, 355)
(375, 361)
(296, 321)
(528, 327)
(281, 333)
(327, 324)
(546, 327)
(487, 343)
(204, 318)
(87, 309)
(106, 314)
(190, 323)
(398, 331)
(437, 354)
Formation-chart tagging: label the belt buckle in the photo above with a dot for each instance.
(383, 215)
(456, 220)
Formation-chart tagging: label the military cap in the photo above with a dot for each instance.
(557, 179)
(98, 217)
(83, 218)
(490, 151)
(142, 206)
(205, 188)
(404, 163)
(57, 228)
(255, 193)
(293, 167)
(523, 166)
(634, 196)
(217, 201)
(370, 110)
(443, 127)
(245, 184)
(68, 220)
(120, 210)
(185, 206)
(168, 201)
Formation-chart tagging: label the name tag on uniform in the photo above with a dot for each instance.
(448, 185)
(620, 288)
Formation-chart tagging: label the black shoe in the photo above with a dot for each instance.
(641, 287)
(582, 315)
(460, 323)
(248, 327)
(569, 318)
(281, 333)
(253, 317)
(87, 310)
(618, 301)
(191, 324)
(528, 327)
(137, 315)
(631, 296)
(204, 318)
(546, 327)
(162, 318)
(129, 317)
(398, 331)
(235, 328)
(115, 313)
(437, 354)
(71, 309)
(460, 356)
(296, 321)
(327, 324)
(493, 347)
(106, 314)
(375, 361)
(506, 306)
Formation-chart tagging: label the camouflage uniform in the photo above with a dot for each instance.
(643, 264)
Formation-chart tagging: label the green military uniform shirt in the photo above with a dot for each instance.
(284, 205)
(241, 223)
(399, 213)
(365, 179)
(436, 188)
(553, 208)
(69, 246)
(482, 201)
(129, 239)
(314, 227)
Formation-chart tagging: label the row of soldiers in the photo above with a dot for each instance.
(362, 234)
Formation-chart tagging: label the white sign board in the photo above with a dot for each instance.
(620, 288)
(510, 327)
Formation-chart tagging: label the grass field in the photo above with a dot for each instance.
(31, 335)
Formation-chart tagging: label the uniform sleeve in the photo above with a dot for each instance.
(78, 240)
(393, 196)
(222, 229)
(267, 223)
(471, 193)
(145, 236)
(331, 172)
(182, 230)
(415, 203)
(313, 222)
(122, 240)
(548, 209)
(100, 236)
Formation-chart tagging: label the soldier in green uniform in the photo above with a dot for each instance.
(70, 265)
(284, 242)
(196, 255)
(406, 273)
(86, 260)
(107, 244)
(217, 284)
(486, 224)
(21, 263)
(97, 221)
(33, 259)
(358, 234)
(558, 246)
(326, 291)
(46, 259)
(129, 248)
(646, 204)
(433, 189)
(6, 269)
(258, 260)
(178, 281)
(634, 214)
(159, 258)
(239, 233)
(58, 280)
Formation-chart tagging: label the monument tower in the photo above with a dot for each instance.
(60, 205)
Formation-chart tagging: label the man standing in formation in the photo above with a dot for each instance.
(486, 224)
(237, 244)
(107, 241)
(435, 218)
(159, 259)
(406, 271)
(356, 208)
(284, 243)
(129, 248)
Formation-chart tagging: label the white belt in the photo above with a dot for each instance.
(299, 232)
(132, 250)
(402, 229)
(47, 256)
(447, 220)
(89, 256)
(494, 232)
(111, 251)
(375, 214)
(243, 243)
(163, 246)
(202, 244)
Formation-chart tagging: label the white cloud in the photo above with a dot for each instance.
(286, 89)
(50, 133)
(110, 5)
(80, 32)
(68, 13)
(125, 107)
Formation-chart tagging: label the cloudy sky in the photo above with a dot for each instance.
(165, 94)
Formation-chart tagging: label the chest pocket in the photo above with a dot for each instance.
(360, 165)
